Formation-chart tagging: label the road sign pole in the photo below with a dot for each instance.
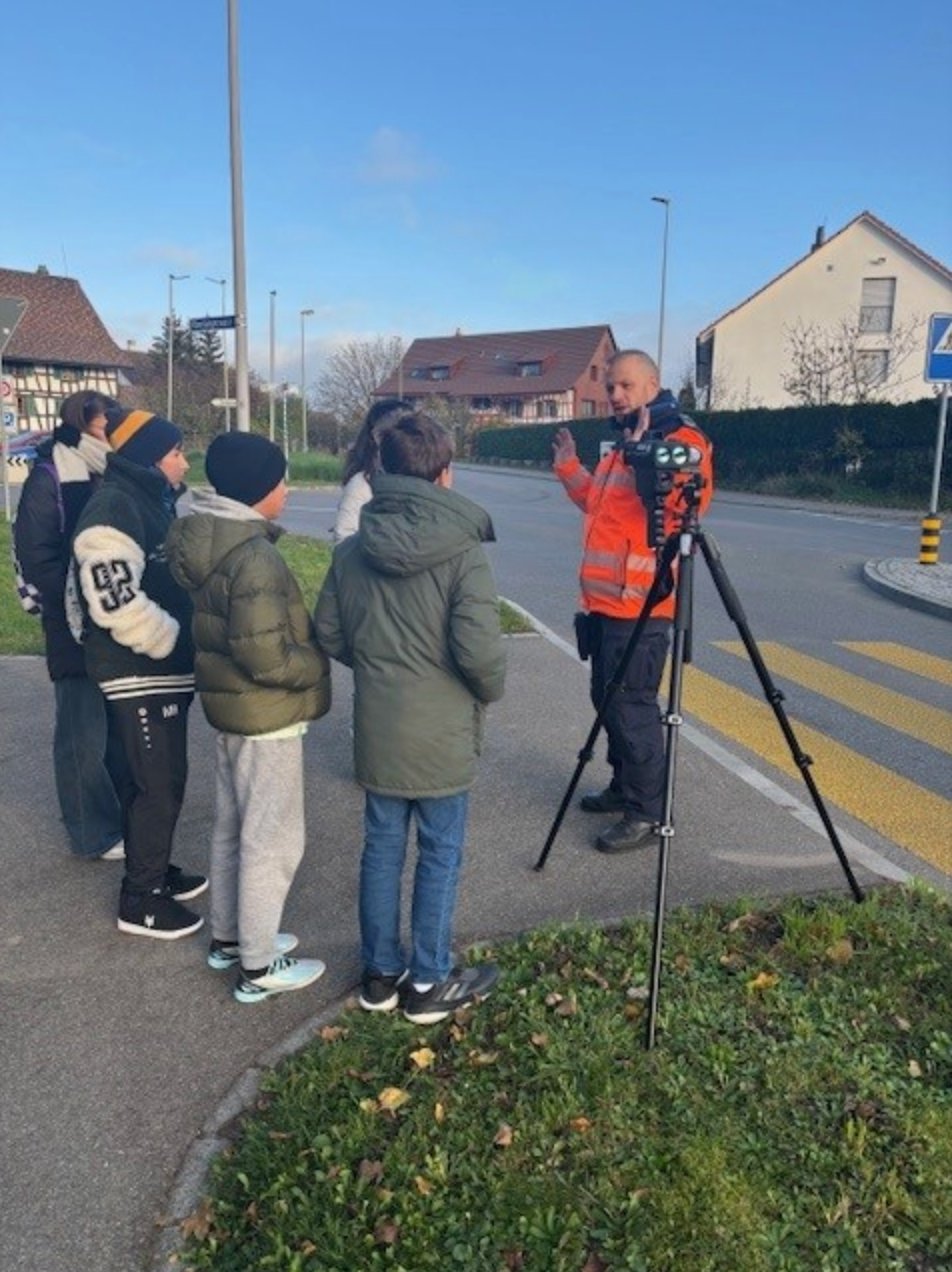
(932, 522)
(12, 309)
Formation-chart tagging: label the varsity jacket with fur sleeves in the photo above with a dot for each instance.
(138, 618)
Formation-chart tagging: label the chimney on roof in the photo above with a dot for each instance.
(820, 238)
(41, 269)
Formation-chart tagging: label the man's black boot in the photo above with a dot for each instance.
(627, 835)
(607, 801)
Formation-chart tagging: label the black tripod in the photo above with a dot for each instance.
(681, 544)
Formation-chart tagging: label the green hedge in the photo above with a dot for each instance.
(804, 447)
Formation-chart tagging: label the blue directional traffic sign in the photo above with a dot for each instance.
(939, 349)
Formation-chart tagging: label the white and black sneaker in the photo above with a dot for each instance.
(463, 986)
(184, 886)
(382, 993)
(156, 914)
(225, 954)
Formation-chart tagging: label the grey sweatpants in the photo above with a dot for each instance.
(258, 839)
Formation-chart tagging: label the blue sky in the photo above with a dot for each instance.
(413, 169)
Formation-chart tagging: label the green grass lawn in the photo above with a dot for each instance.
(308, 558)
(795, 1115)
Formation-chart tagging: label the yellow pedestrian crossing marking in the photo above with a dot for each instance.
(885, 706)
(909, 815)
(927, 665)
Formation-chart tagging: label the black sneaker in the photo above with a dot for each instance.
(382, 993)
(628, 835)
(156, 914)
(609, 800)
(463, 986)
(184, 886)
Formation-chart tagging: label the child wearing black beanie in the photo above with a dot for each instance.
(262, 678)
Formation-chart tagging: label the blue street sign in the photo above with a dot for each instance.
(221, 323)
(939, 349)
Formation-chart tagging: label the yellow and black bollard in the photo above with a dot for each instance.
(929, 543)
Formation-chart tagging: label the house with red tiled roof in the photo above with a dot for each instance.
(846, 322)
(60, 345)
(516, 376)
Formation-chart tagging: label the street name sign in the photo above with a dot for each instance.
(221, 322)
(939, 349)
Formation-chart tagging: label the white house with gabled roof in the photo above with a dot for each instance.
(847, 322)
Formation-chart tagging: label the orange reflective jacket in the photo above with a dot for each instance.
(618, 563)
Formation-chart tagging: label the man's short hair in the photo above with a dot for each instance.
(416, 446)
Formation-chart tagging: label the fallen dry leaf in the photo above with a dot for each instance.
(503, 1137)
(386, 1232)
(423, 1186)
(840, 951)
(423, 1058)
(199, 1223)
(371, 1171)
(580, 1124)
(914, 1070)
(333, 1033)
(391, 1098)
(481, 1058)
(539, 1040)
(439, 1112)
(590, 974)
(763, 980)
(594, 1263)
(568, 1007)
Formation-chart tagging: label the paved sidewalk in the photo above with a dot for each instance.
(125, 1059)
(924, 587)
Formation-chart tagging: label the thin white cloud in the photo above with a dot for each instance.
(395, 158)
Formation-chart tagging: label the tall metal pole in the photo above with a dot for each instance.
(222, 282)
(305, 313)
(271, 372)
(658, 198)
(242, 391)
(173, 279)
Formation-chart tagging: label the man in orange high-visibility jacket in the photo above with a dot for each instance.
(618, 568)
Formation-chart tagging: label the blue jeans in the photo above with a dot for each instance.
(441, 830)
(89, 764)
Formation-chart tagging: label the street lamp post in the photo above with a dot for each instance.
(658, 198)
(271, 371)
(221, 282)
(305, 313)
(242, 385)
(173, 279)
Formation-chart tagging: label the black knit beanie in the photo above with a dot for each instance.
(244, 466)
(140, 436)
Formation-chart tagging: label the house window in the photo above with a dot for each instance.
(872, 367)
(876, 306)
(439, 373)
(588, 408)
(513, 408)
(482, 404)
(530, 368)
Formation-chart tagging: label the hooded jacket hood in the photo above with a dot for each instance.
(412, 525)
(214, 527)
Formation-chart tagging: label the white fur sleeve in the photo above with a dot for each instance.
(110, 575)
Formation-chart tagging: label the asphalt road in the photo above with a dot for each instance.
(867, 682)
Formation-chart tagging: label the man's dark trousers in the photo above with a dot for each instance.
(633, 719)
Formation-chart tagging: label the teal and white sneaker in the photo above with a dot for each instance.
(283, 975)
(225, 954)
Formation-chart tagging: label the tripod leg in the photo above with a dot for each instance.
(680, 653)
(775, 698)
(659, 582)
